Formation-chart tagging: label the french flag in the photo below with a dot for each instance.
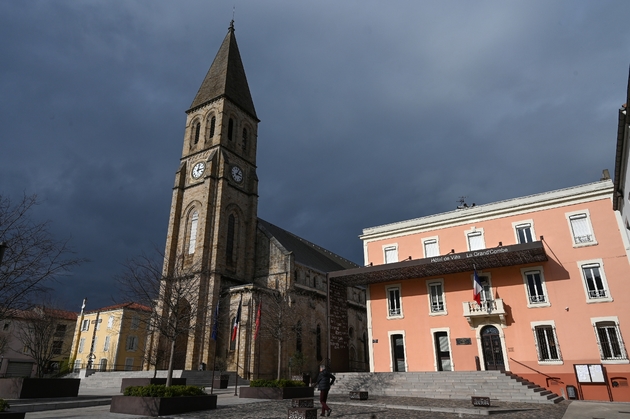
(237, 320)
(477, 288)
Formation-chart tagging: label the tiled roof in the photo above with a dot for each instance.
(130, 306)
(305, 252)
(226, 77)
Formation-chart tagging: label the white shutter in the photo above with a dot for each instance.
(475, 241)
(391, 254)
(581, 228)
(431, 248)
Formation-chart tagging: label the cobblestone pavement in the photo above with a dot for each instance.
(374, 409)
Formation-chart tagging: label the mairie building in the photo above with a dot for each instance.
(554, 271)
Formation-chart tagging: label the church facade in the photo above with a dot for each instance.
(270, 286)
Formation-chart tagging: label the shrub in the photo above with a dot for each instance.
(160, 390)
(4, 405)
(276, 383)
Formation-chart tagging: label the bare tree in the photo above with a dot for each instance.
(173, 299)
(32, 256)
(42, 335)
(279, 317)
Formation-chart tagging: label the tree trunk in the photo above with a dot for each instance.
(169, 376)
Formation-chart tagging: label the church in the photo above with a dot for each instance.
(261, 296)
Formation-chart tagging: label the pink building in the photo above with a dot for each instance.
(554, 268)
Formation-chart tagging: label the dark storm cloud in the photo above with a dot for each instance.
(372, 112)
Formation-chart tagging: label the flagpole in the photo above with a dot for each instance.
(215, 337)
(238, 344)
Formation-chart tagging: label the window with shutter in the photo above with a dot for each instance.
(393, 302)
(391, 254)
(431, 248)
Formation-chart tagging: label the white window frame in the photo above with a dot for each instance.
(442, 312)
(530, 303)
(110, 322)
(521, 224)
(400, 308)
(577, 214)
(430, 240)
(615, 321)
(450, 350)
(106, 344)
(81, 345)
(475, 232)
(586, 264)
(390, 333)
(552, 324)
(97, 323)
(85, 326)
(388, 247)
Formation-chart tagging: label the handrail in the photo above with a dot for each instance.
(538, 372)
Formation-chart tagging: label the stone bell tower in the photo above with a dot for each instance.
(212, 224)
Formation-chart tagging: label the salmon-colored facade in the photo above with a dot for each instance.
(554, 273)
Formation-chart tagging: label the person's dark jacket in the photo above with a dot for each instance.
(324, 380)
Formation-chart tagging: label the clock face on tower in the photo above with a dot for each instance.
(237, 174)
(198, 170)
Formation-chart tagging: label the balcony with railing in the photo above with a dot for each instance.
(485, 310)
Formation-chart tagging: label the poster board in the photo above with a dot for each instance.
(591, 374)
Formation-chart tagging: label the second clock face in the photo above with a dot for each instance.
(237, 174)
(198, 170)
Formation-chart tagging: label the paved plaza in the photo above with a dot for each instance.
(231, 407)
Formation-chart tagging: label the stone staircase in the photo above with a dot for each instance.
(445, 385)
(113, 379)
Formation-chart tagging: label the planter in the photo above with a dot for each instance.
(221, 382)
(129, 382)
(305, 378)
(36, 388)
(276, 393)
(12, 415)
(159, 406)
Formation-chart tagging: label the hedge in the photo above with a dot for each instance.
(276, 383)
(160, 390)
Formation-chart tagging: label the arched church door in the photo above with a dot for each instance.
(492, 351)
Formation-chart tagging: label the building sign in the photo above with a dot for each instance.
(463, 341)
(466, 255)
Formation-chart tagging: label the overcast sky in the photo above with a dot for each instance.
(371, 112)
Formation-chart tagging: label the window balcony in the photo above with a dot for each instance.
(484, 311)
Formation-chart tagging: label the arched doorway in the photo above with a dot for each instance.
(492, 350)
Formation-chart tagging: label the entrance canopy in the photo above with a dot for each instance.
(496, 257)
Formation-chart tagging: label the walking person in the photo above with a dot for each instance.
(324, 380)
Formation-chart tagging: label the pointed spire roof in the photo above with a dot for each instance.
(226, 77)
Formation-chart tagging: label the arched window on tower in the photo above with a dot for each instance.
(213, 123)
(244, 139)
(298, 336)
(230, 128)
(229, 247)
(197, 130)
(192, 243)
(318, 343)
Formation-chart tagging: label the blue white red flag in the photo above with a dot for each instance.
(237, 320)
(477, 288)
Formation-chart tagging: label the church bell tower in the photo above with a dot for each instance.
(212, 224)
